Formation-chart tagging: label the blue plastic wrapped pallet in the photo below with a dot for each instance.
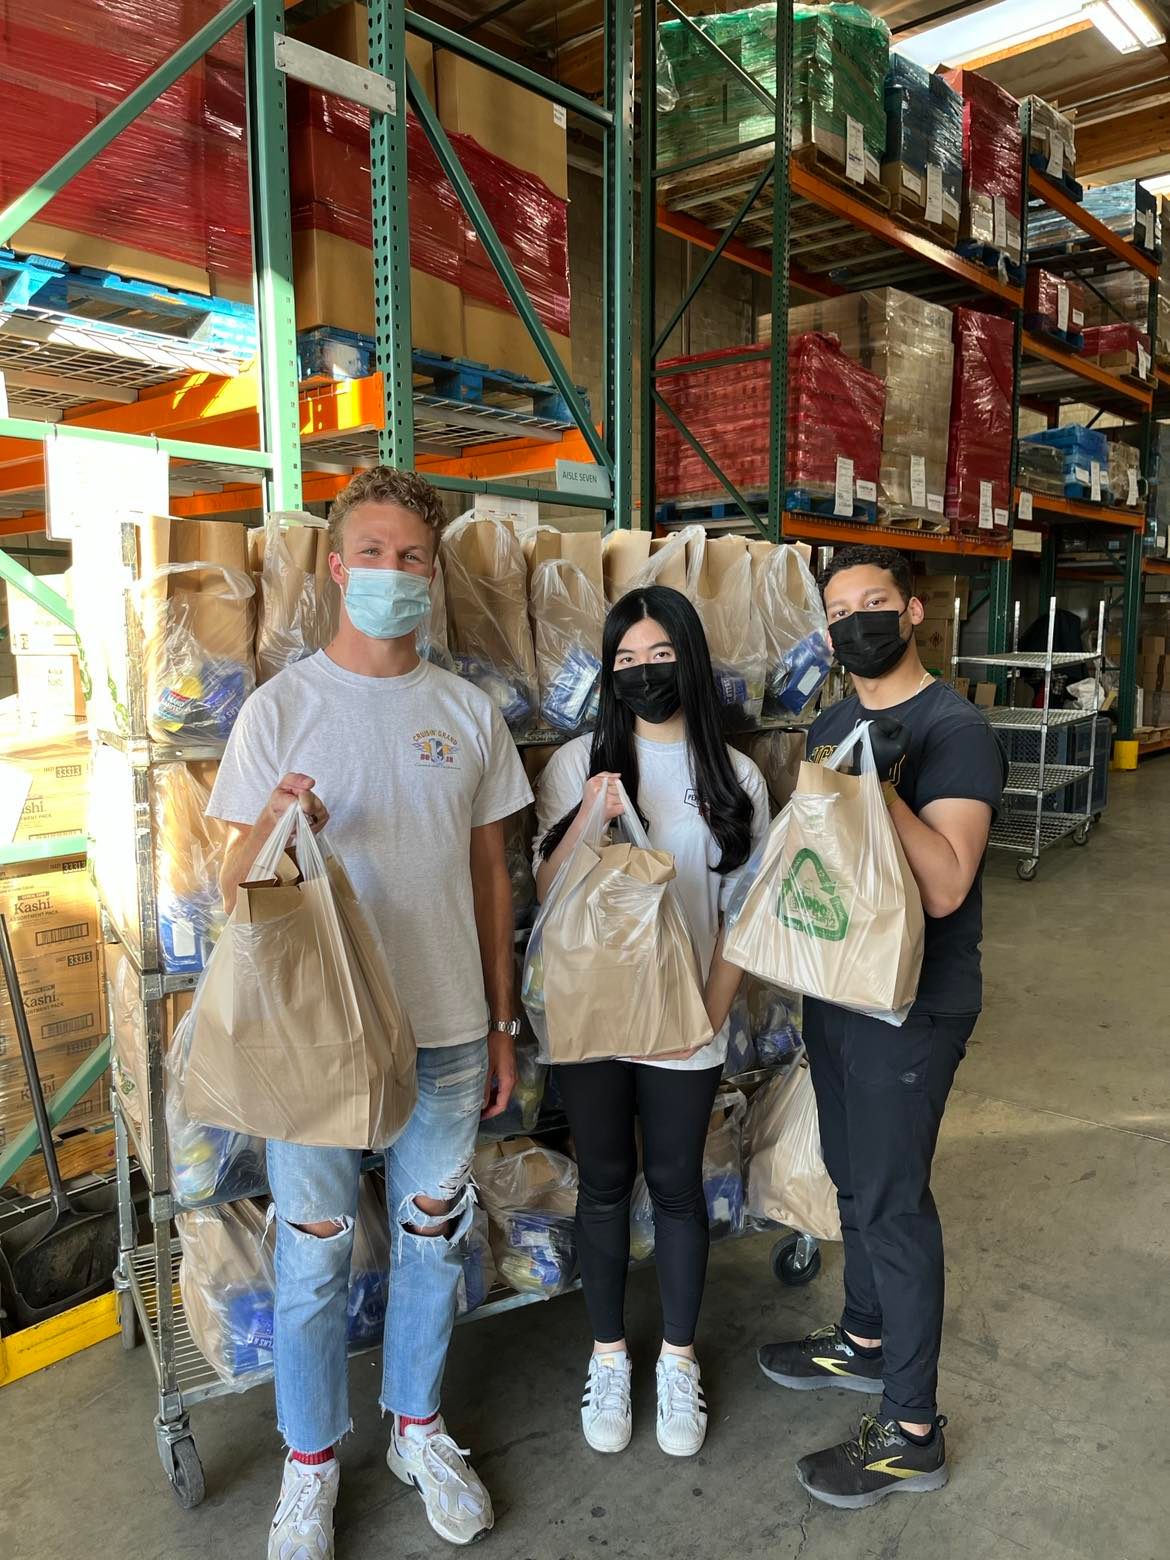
(1086, 460)
(1127, 208)
(923, 160)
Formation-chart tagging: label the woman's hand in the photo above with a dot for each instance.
(610, 784)
(677, 1056)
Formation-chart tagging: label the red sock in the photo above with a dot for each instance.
(313, 1459)
(404, 1420)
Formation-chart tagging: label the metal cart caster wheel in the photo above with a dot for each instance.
(187, 1474)
(788, 1266)
(1081, 833)
(128, 1321)
(1026, 870)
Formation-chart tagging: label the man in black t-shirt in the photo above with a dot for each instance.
(881, 1089)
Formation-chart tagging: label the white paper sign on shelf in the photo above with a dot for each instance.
(1027, 541)
(935, 503)
(1132, 486)
(933, 192)
(843, 497)
(582, 476)
(918, 480)
(867, 491)
(1148, 228)
(1080, 474)
(912, 182)
(854, 150)
(1024, 510)
(999, 222)
(1143, 361)
(1078, 318)
(1056, 158)
(95, 483)
(1062, 305)
(986, 513)
(1095, 481)
(873, 167)
(1001, 519)
(560, 117)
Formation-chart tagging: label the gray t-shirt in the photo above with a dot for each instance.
(407, 767)
(666, 796)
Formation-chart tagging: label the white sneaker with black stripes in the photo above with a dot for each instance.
(682, 1408)
(606, 1417)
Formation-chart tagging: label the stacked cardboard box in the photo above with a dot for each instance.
(1123, 348)
(936, 633)
(48, 674)
(980, 455)
(992, 156)
(1153, 669)
(1157, 531)
(1051, 137)
(44, 782)
(923, 162)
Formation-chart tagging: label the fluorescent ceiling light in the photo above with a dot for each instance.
(997, 27)
(1143, 26)
(1159, 185)
(1127, 27)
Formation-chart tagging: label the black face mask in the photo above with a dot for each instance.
(651, 691)
(869, 644)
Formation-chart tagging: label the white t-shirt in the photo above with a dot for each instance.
(407, 767)
(666, 796)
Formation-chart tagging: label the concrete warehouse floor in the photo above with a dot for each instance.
(1053, 1177)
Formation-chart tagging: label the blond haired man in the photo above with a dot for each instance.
(414, 772)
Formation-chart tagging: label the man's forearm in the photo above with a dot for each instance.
(492, 895)
(240, 858)
(943, 881)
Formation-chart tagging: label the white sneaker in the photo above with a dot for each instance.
(606, 1418)
(302, 1528)
(458, 1507)
(682, 1409)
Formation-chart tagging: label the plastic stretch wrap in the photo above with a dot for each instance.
(1157, 533)
(906, 342)
(519, 829)
(431, 639)
(1125, 480)
(199, 671)
(1121, 347)
(923, 159)
(189, 851)
(299, 600)
(992, 162)
(369, 1269)
(1052, 136)
(66, 64)
(827, 905)
(836, 410)
(1084, 454)
(1118, 297)
(227, 1279)
(776, 1018)
(1040, 469)
(531, 1200)
(641, 1221)
(330, 169)
(208, 1164)
(568, 616)
(486, 583)
(723, 1163)
(719, 584)
(296, 992)
(979, 464)
(478, 1274)
(1055, 303)
(777, 755)
(611, 968)
(1128, 208)
(790, 611)
(787, 1182)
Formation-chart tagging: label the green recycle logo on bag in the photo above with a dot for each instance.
(813, 907)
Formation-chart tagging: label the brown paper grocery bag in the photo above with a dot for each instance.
(300, 601)
(833, 910)
(620, 974)
(486, 580)
(787, 1182)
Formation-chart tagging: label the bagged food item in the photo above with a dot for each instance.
(431, 636)
(828, 905)
(189, 850)
(641, 1221)
(518, 832)
(787, 1182)
(296, 1031)
(198, 674)
(208, 1164)
(635, 558)
(791, 614)
(478, 1275)
(611, 968)
(228, 1282)
(369, 1268)
(487, 614)
(775, 1023)
(777, 755)
(568, 615)
(531, 1199)
(719, 584)
(741, 1047)
(722, 1172)
(299, 599)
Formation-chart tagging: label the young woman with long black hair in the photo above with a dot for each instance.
(658, 733)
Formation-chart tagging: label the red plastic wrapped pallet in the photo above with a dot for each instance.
(980, 450)
(835, 409)
(330, 172)
(1124, 348)
(1053, 304)
(992, 162)
(175, 182)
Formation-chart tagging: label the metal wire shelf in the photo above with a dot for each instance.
(1031, 660)
(1018, 832)
(1025, 779)
(1008, 719)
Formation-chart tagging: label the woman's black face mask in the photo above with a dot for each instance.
(651, 690)
(869, 644)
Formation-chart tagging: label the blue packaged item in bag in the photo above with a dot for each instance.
(248, 1339)
(531, 1200)
(741, 1050)
(508, 694)
(722, 1170)
(365, 1308)
(798, 676)
(204, 700)
(570, 701)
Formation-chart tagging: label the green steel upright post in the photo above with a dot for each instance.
(649, 259)
(272, 246)
(778, 455)
(1130, 630)
(391, 220)
(618, 253)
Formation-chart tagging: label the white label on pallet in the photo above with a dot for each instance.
(1062, 305)
(1078, 318)
(1095, 481)
(951, 207)
(867, 491)
(933, 192)
(873, 168)
(560, 117)
(986, 515)
(1143, 361)
(1080, 474)
(1132, 494)
(3, 396)
(1056, 158)
(918, 480)
(1024, 509)
(843, 497)
(912, 182)
(1027, 541)
(1001, 519)
(1147, 218)
(999, 222)
(935, 503)
(854, 150)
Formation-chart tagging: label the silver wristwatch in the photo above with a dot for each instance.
(506, 1026)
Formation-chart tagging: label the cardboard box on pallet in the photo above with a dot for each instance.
(980, 447)
(49, 691)
(923, 162)
(992, 162)
(64, 1001)
(49, 909)
(32, 630)
(345, 32)
(43, 783)
(522, 127)
(16, 1109)
(1051, 136)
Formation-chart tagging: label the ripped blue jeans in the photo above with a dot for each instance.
(432, 1159)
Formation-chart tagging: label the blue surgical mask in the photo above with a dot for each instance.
(386, 603)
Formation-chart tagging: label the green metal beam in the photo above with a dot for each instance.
(712, 465)
(30, 851)
(504, 269)
(34, 200)
(781, 206)
(35, 588)
(999, 607)
(62, 1102)
(1131, 623)
(272, 249)
(618, 254)
(726, 360)
(511, 70)
(647, 421)
(720, 154)
(513, 491)
(391, 212)
(180, 449)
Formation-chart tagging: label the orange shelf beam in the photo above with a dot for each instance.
(679, 225)
(1052, 195)
(1163, 377)
(1072, 509)
(816, 528)
(1156, 565)
(1082, 368)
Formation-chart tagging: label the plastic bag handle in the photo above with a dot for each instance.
(858, 737)
(240, 585)
(310, 859)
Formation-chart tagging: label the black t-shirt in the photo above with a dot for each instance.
(953, 752)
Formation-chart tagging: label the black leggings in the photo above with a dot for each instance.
(601, 1101)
